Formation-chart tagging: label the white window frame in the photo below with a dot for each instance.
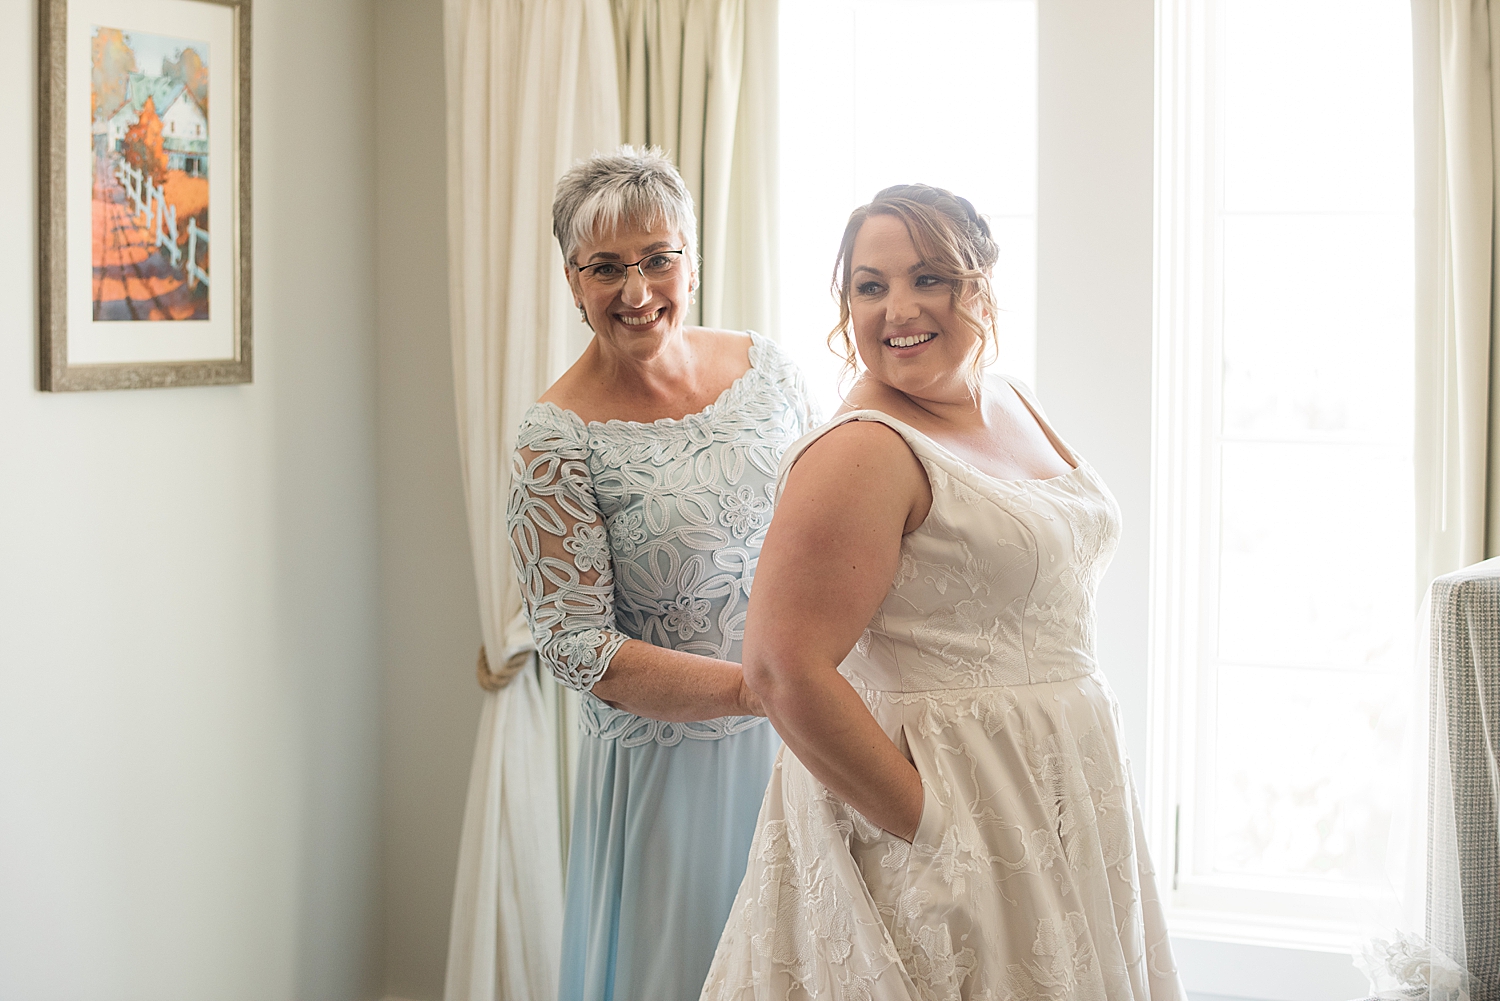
(1186, 408)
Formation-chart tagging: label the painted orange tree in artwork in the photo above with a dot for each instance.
(113, 62)
(190, 69)
(142, 146)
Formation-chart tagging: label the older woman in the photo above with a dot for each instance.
(641, 491)
(958, 821)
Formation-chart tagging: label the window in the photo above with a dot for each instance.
(1283, 531)
(881, 92)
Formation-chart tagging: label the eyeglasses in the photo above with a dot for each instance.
(657, 267)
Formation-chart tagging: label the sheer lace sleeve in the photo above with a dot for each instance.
(808, 411)
(793, 385)
(561, 551)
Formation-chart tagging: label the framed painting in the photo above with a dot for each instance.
(144, 224)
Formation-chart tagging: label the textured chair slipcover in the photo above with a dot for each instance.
(1463, 914)
(1462, 858)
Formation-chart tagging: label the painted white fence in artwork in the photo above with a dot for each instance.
(195, 274)
(150, 203)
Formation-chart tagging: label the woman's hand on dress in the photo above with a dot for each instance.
(661, 683)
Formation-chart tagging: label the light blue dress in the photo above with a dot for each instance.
(620, 531)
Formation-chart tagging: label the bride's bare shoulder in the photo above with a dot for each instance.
(868, 467)
(860, 454)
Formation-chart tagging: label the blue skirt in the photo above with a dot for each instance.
(659, 844)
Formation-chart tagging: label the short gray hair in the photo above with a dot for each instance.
(628, 186)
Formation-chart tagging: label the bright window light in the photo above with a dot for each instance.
(881, 92)
(1284, 532)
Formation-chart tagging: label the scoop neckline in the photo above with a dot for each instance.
(756, 355)
(1078, 460)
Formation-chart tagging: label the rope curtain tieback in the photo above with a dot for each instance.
(493, 681)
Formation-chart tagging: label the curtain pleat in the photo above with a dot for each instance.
(1458, 365)
(698, 79)
(532, 87)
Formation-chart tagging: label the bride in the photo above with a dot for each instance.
(956, 818)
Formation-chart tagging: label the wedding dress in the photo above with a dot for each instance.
(1028, 877)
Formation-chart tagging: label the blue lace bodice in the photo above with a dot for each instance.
(621, 530)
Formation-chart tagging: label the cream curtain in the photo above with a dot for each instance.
(698, 78)
(532, 86)
(1457, 123)
(1458, 366)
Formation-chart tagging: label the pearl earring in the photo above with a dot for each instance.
(583, 314)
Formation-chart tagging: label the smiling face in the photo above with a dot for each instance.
(907, 328)
(638, 314)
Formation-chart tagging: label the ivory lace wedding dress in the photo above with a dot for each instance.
(1028, 877)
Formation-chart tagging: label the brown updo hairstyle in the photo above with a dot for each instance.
(956, 246)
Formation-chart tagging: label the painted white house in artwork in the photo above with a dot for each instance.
(184, 126)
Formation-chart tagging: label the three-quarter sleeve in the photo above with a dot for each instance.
(792, 384)
(803, 403)
(560, 548)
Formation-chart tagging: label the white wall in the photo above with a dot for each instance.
(428, 605)
(1096, 120)
(188, 675)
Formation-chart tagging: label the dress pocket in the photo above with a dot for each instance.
(934, 819)
(930, 826)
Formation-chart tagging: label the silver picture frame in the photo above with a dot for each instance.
(173, 262)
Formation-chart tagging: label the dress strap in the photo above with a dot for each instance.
(1032, 404)
(914, 439)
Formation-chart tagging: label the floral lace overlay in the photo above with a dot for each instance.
(1028, 877)
(622, 530)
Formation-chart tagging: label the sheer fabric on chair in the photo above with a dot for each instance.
(1448, 942)
(1463, 892)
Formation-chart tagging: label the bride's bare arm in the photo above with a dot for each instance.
(827, 564)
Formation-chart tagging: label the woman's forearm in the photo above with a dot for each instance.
(678, 687)
(827, 725)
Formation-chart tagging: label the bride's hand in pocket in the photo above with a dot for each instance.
(912, 811)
